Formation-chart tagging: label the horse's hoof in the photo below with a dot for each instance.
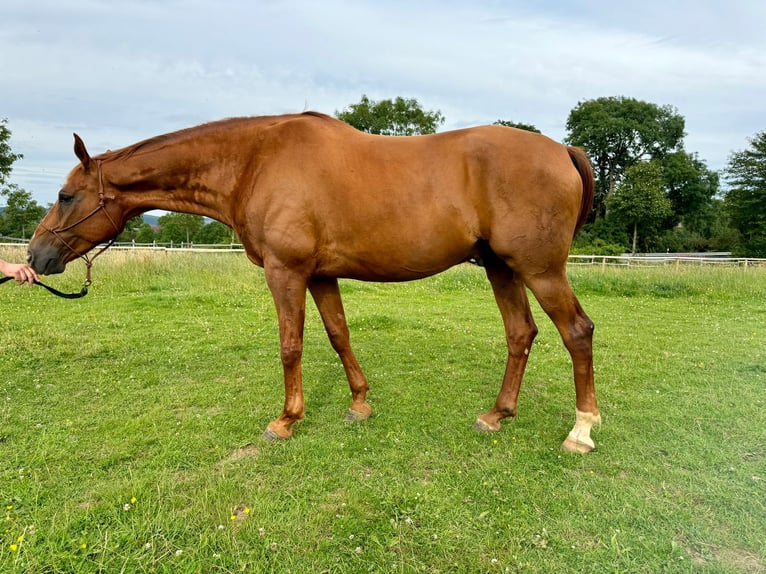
(573, 445)
(271, 436)
(352, 416)
(482, 426)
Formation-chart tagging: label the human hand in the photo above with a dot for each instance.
(21, 272)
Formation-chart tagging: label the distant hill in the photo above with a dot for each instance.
(151, 219)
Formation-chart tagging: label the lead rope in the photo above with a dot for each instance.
(83, 292)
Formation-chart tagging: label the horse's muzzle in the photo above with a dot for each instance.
(45, 260)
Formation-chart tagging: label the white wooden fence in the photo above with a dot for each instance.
(675, 260)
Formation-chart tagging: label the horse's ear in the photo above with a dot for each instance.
(81, 152)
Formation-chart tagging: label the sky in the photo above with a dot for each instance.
(117, 72)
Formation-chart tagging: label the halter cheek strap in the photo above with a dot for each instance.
(100, 207)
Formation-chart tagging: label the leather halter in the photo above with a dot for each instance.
(100, 207)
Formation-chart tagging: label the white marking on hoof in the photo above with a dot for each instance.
(579, 439)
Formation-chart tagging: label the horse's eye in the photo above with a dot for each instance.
(65, 197)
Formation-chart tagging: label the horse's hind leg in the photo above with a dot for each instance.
(326, 295)
(555, 295)
(520, 331)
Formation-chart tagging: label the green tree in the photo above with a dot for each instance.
(399, 117)
(618, 132)
(690, 187)
(145, 234)
(179, 227)
(639, 200)
(21, 214)
(746, 199)
(518, 125)
(215, 232)
(132, 228)
(7, 157)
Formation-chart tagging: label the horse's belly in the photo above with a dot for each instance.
(395, 255)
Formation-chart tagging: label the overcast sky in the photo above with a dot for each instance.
(120, 71)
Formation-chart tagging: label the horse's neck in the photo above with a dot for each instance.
(160, 181)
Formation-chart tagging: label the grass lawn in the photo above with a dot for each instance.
(130, 426)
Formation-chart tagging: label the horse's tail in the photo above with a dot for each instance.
(584, 168)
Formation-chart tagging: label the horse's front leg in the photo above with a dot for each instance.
(288, 289)
(326, 295)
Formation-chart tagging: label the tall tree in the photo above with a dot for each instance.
(7, 157)
(132, 227)
(639, 200)
(21, 214)
(746, 199)
(215, 232)
(179, 227)
(399, 117)
(145, 234)
(518, 125)
(618, 132)
(690, 187)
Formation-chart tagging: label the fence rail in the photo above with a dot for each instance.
(197, 247)
(647, 260)
(674, 260)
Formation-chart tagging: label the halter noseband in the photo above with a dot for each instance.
(101, 206)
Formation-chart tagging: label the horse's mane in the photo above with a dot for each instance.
(154, 143)
(317, 115)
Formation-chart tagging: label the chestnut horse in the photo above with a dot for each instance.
(312, 199)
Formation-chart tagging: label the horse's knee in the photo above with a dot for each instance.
(291, 353)
(520, 339)
(531, 334)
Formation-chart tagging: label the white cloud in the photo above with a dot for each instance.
(121, 72)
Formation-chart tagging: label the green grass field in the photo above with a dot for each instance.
(130, 426)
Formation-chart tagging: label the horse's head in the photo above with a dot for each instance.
(86, 214)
